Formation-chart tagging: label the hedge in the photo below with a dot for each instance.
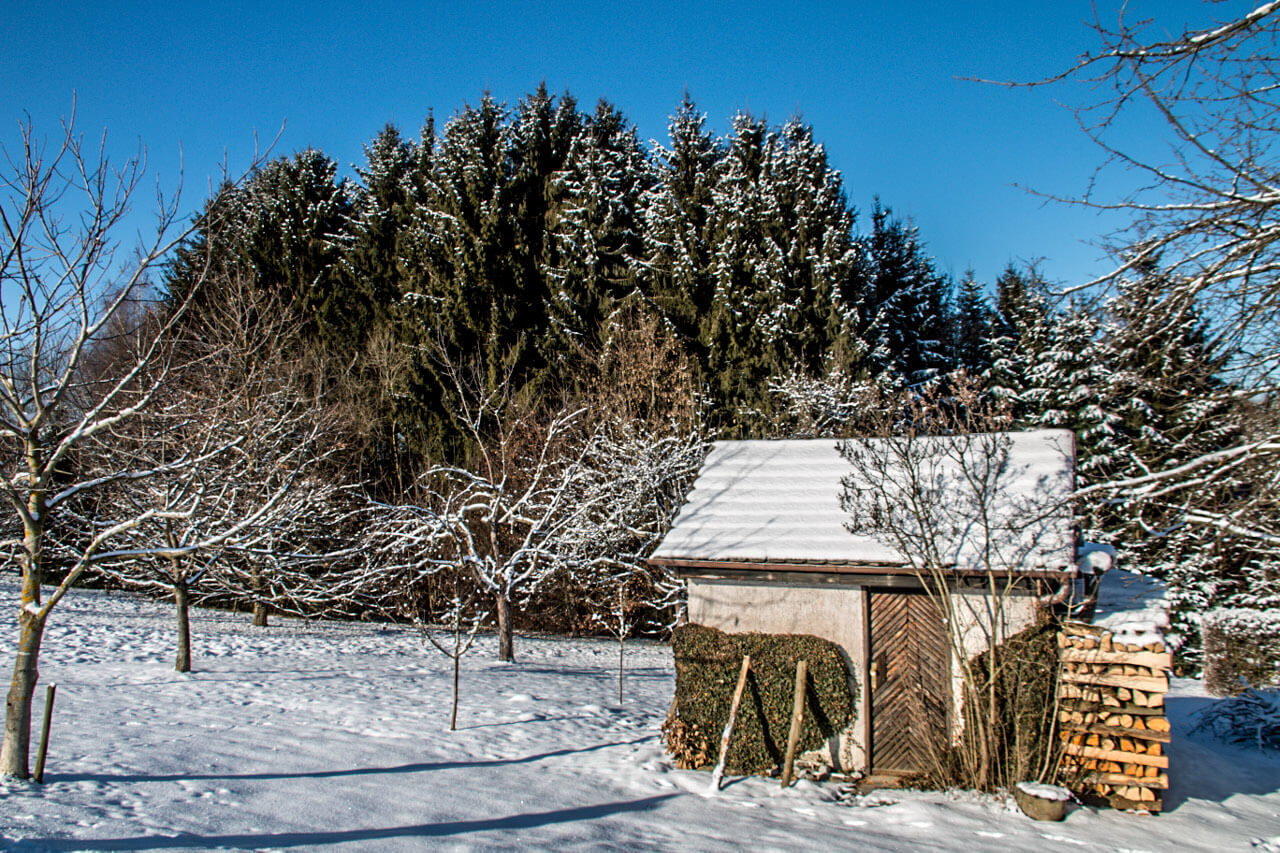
(1241, 650)
(707, 665)
(1026, 685)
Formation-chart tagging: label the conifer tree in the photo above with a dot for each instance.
(677, 220)
(476, 291)
(595, 246)
(785, 270)
(1167, 406)
(382, 209)
(907, 311)
(285, 228)
(1018, 333)
(971, 327)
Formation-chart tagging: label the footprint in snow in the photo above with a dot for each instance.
(985, 834)
(519, 697)
(1065, 840)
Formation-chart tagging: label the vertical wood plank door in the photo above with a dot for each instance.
(909, 664)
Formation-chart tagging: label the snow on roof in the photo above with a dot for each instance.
(779, 501)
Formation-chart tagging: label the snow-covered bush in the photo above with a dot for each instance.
(1241, 649)
(1250, 719)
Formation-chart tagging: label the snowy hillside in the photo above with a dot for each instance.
(326, 736)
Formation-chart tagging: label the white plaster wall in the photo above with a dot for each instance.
(975, 614)
(833, 613)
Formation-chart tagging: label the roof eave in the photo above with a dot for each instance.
(847, 568)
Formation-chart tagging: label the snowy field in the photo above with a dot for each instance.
(333, 736)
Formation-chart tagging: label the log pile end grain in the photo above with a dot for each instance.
(1111, 717)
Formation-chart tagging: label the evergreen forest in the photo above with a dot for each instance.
(522, 261)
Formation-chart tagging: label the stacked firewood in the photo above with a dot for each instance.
(1111, 716)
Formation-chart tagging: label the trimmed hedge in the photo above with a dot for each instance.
(1241, 650)
(707, 665)
(1026, 690)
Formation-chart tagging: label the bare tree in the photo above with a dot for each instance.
(457, 627)
(1205, 214)
(500, 517)
(833, 405)
(637, 479)
(67, 380)
(238, 402)
(939, 484)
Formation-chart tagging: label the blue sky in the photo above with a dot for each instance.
(879, 82)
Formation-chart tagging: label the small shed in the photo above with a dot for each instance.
(765, 546)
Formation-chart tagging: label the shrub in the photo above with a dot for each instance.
(707, 665)
(1241, 649)
(1026, 682)
(1250, 719)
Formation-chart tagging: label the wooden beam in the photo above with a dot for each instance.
(797, 720)
(1116, 755)
(1151, 660)
(718, 773)
(1145, 683)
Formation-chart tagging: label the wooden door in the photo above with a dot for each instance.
(908, 673)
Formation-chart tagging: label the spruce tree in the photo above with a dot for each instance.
(382, 209)
(906, 319)
(785, 270)
(677, 221)
(971, 327)
(595, 248)
(1168, 405)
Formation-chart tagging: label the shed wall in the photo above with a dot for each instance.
(838, 614)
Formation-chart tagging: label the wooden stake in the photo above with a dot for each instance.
(44, 732)
(718, 773)
(797, 720)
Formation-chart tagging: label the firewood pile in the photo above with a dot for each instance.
(1111, 716)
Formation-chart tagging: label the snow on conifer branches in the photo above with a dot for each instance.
(1202, 238)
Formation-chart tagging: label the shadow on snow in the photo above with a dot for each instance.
(421, 767)
(300, 839)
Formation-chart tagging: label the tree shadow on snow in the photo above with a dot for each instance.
(314, 839)
(1202, 767)
(421, 767)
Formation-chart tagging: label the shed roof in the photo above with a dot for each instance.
(778, 502)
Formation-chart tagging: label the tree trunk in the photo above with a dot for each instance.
(506, 642)
(622, 639)
(259, 596)
(17, 709)
(259, 604)
(181, 602)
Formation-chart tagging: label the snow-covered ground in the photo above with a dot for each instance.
(319, 736)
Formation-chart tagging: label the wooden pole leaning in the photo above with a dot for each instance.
(718, 773)
(797, 721)
(44, 732)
